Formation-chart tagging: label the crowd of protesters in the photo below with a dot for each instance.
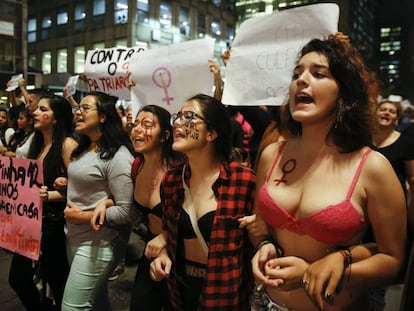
(307, 206)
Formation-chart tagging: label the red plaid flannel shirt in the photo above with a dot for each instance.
(229, 279)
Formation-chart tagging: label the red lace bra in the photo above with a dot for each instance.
(332, 225)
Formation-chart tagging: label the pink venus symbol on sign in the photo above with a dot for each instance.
(162, 78)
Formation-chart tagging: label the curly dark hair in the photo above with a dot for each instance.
(113, 135)
(358, 89)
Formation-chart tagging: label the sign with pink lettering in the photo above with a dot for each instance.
(167, 76)
(21, 206)
(106, 70)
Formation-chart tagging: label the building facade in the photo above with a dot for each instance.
(357, 19)
(382, 30)
(12, 41)
(53, 37)
(396, 48)
(59, 33)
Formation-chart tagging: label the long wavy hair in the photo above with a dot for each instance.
(62, 112)
(219, 120)
(358, 89)
(113, 135)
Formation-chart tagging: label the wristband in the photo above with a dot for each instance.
(347, 255)
(279, 250)
(264, 242)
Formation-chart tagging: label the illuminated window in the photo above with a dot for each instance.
(98, 45)
(121, 11)
(32, 61)
(98, 7)
(143, 7)
(62, 18)
(98, 18)
(216, 29)
(79, 16)
(79, 59)
(62, 60)
(80, 11)
(121, 43)
(46, 24)
(46, 63)
(31, 30)
(184, 22)
(165, 15)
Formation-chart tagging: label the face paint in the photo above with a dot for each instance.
(148, 133)
(192, 131)
(147, 124)
(45, 117)
(287, 168)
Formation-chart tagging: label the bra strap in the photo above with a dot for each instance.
(189, 208)
(279, 153)
(357, 173)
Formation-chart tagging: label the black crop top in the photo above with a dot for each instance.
(205, 223)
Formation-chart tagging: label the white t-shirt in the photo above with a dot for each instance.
(23, 150)
(8, 135)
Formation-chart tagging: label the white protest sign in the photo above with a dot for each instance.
(14, 82)
(106, 70)
(169, 75)
(71, 85)
(265, 49)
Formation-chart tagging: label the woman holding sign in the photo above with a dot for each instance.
(52, 144)
(100, 170)
(319, 190)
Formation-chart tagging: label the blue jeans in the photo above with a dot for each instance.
(87, 284)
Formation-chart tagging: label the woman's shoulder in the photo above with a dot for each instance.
(123, 157)
(70, 142)
(270, 152)
(376, 164)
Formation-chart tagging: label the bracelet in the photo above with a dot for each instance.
(47, 196)
(279, 250)
(264, 242)
(347, 255)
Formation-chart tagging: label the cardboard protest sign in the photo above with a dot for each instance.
(169, 75)
(71, 85)
(265, 49)
(14, 82)
(106, 70)
(21, 206)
